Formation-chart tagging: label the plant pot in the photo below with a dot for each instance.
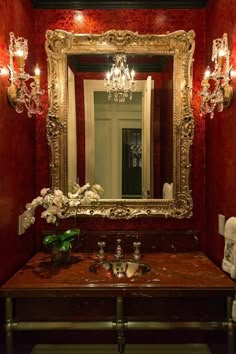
(60, 257)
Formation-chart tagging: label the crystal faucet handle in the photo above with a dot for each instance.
(119, 251)
(101, 244)
(137, 253)
(101, 253)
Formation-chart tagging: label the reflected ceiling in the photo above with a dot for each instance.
(102, 63)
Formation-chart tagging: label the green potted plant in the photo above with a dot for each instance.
(56, 205)
(61, 245)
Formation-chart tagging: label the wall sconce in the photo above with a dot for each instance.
(216, 89)
(19, 94)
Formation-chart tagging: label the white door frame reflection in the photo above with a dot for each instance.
(140, 119)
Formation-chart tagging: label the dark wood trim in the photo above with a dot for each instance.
(93, 67)
(110, 4)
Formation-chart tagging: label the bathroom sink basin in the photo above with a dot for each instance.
(120, 268)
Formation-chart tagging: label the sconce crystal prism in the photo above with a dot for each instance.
(119, 82)
(24, 89)
(216, 89)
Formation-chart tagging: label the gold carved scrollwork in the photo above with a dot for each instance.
(54, 129)
(122, 38)
(180, 44)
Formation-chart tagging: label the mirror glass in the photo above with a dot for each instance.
(138, 150)
(128, 147)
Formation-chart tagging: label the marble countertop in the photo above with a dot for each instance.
(172, 274)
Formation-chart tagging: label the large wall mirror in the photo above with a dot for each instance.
(138, 150)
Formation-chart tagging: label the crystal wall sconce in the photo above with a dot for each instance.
(24, 90)
(216, 89)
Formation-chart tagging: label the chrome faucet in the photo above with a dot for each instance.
(101, 253)
(119, 251)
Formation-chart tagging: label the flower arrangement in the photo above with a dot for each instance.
(56, 204)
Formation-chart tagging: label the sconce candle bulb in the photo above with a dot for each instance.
(20, 94)
(222, 92)
(37, 74)
(207, 73)
(221, 57)
(132, 74)
(20, 58)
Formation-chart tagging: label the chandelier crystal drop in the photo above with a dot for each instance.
(119, 82)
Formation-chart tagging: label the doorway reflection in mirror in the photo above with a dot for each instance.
(131, 163)
(100, 122)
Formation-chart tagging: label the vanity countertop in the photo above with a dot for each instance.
(172, 274)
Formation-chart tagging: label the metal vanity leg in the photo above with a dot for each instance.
(8, 326)
(230, 341)
(120, 324)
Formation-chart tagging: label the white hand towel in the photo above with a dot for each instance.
(230, 229)
(167, 192)
(229, 260)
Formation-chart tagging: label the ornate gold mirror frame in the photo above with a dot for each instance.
(179, 44)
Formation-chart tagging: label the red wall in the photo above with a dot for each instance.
(142, 21)
(166, 113)
(220, 135)
(17, 145)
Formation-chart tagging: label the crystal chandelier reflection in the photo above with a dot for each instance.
(119, 82)
(135, 152)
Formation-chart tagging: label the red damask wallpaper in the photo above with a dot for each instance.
(142, 21)
(220, 134)
(25, 154)
(17, 145)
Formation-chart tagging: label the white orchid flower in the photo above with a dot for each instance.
(28, 206)
(28, 218)
(58, 192)
(50, 214)
(59, 201)
(50, 210)
(51, 219)
(44, 191)
(56, 203)
(74, 202)
(36, 201)
(72, 195)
